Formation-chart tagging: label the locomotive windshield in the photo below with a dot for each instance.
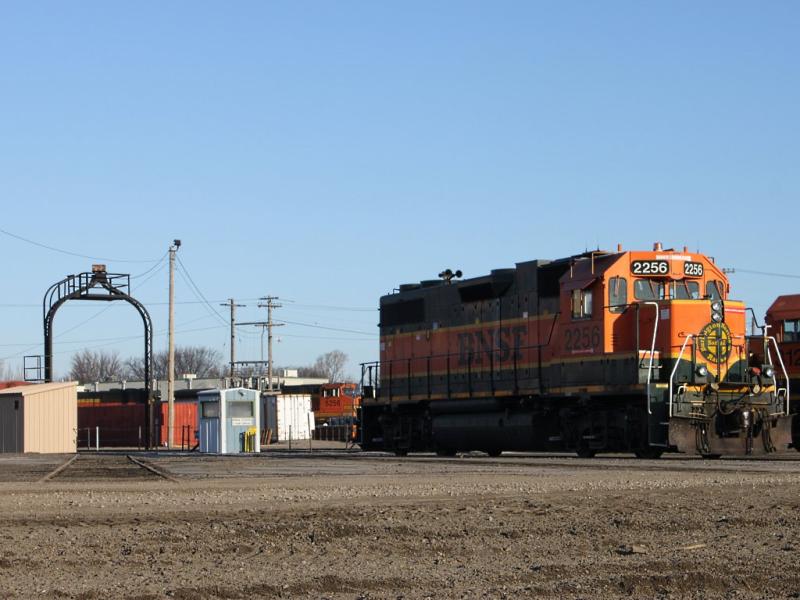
(685, 290)
(648, 289)
(713, 290)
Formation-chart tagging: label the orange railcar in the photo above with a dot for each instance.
(638, 351)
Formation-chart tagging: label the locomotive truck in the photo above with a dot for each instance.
(626, 351)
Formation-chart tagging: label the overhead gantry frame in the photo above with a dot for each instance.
(97, 285)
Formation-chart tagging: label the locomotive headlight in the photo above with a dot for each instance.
(768, 372)
(717, 311)
(701, 371)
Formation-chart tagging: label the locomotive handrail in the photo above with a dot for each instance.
(675, 369)
(652, 352)
(783, 368)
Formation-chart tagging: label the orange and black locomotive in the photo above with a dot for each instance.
(641, 352)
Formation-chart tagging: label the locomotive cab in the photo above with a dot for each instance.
(783, 323)
(670, 313)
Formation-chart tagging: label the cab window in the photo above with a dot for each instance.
(581, 304)
(791, 331)
(617, 294)
(713, 290)
(685, 290)
(648, 289)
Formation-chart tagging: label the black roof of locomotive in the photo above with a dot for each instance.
(498, 280)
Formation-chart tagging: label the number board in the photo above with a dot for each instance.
(650, 267)
(693, 269)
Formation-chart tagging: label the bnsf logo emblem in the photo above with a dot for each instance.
(504, 343)
(714, 342)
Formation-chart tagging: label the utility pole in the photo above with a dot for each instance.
(270, 304)
(171, 346)
(232, 303)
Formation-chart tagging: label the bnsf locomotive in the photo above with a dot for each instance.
(641, 352)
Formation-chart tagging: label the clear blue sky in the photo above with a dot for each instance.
(326, 152)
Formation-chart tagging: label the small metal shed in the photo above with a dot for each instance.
(39, 418)
(228, 421)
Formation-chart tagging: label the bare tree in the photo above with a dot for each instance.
(200, 360)
(330, 365)
(88, 366)
(8, 373)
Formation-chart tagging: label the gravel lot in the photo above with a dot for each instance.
(349, 525)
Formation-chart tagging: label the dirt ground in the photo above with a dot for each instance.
(358, 526)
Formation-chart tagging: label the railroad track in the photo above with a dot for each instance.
(127, 467)
(668, 463)
(93, 467)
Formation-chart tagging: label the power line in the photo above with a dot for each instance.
(331, 307)
(188, 302)
(335, 339)
(765, 273)
(315, 326)
(110, 339)
(196, 290)
(45, 246)
(159, 264)
(133, 337)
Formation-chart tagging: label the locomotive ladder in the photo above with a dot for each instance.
(656, 410)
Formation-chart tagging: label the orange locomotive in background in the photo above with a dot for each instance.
(335, 400)
(603, 351)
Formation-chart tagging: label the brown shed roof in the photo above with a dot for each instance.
(37, 388)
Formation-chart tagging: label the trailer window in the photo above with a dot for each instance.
(685, 290)
(791, 331)
(581, 304)
(648, 289)
(617, 294)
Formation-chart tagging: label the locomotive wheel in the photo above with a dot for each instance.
(445, 452)
(586, 452)
(649, 453)
(494, 452)
(401, 451)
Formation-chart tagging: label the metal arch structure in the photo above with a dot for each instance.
(101, 286)
(97, 285)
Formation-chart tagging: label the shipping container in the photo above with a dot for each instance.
(185, 427)
(287, 415)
